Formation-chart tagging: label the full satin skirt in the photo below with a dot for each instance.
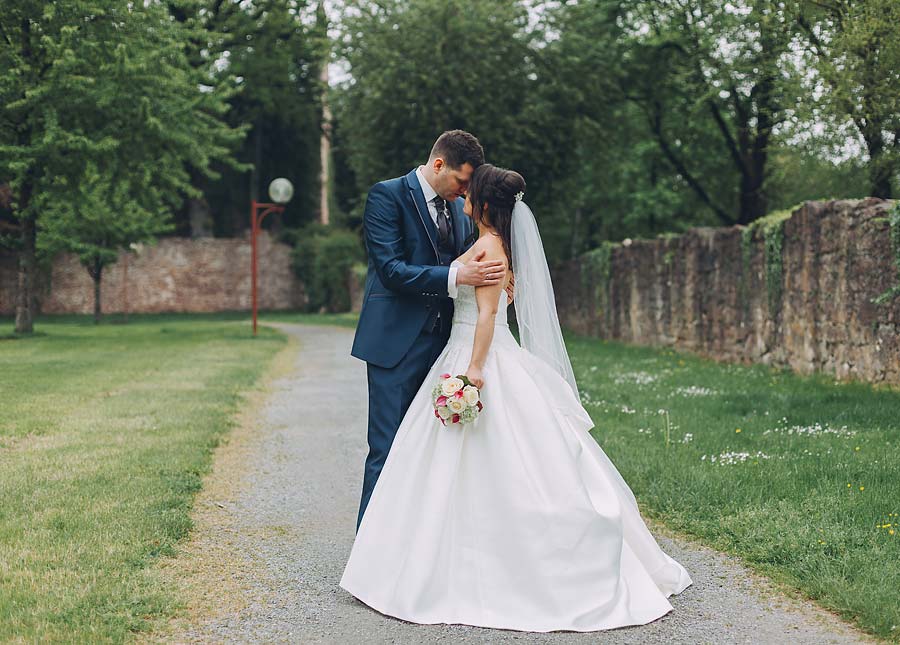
(516, 521)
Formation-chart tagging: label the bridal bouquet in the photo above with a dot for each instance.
(455, 400)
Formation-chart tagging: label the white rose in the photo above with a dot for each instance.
(444, 412)
(451, 386)
(470, 394)
(456, 405)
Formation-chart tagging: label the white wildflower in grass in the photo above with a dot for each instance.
(814, 430)
(729, 458)
(627, 410)
(694, 390)
(687, 438)
(635, 378)
(587, 399)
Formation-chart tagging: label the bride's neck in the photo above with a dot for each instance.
(486, 230)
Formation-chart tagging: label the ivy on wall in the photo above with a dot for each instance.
(596, 275)
(771, 228)
(894, 221)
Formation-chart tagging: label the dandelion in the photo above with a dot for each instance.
(857, 448)
(737, 429)
(862, 488)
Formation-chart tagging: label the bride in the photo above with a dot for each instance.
(518, 520)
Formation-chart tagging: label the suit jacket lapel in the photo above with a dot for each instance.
(418, 199)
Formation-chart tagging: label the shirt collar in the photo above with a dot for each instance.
(427, 190)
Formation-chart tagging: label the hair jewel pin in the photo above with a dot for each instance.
(520, 195)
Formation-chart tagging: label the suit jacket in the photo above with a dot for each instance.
(405, 279)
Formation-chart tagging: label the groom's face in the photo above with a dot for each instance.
(451, 183)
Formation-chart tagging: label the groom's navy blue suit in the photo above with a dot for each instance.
(405, 319)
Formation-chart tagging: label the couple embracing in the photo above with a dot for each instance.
(517, 520)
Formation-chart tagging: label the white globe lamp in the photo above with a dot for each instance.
(281, 190)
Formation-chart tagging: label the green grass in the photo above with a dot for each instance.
(347, 320)
(105, 432)
(810, 511)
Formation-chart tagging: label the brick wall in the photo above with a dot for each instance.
(175, 275)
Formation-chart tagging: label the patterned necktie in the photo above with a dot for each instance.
(443, 219)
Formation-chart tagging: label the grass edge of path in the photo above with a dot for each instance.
(195, 571)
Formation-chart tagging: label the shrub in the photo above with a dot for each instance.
(323, 258)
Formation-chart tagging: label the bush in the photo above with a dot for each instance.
(323, 259)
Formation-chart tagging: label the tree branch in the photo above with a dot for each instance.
(656, 127)
(729, 140)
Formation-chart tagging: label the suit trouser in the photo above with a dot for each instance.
(391, 390)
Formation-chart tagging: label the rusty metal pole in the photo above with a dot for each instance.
(253, 269)
(256, 219)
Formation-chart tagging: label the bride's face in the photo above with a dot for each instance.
(467, 208)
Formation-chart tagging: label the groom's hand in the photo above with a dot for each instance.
(479, 274)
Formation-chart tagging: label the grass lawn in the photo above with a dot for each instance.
(105, 432)
(800, 477)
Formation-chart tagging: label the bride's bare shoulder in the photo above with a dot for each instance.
(492, 246)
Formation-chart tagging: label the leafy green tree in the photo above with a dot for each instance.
(273, 52)
(107, 217)
(856, 53)
(421, 67)
(715, 81)
(100, 113)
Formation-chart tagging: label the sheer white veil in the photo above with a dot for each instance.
(539, 330)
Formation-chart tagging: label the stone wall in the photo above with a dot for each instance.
(714, 292)
(174, 275)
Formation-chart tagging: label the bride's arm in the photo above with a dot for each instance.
(488, 299)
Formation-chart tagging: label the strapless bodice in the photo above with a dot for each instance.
(465, 307)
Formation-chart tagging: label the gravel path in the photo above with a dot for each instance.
(276, 519)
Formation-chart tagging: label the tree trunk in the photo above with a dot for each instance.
(26, 277)
(879, 167)
(97, 274)
(753, 200)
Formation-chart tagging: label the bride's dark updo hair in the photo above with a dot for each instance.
(496, 187)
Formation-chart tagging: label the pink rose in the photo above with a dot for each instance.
(459, 394)
(455, 418)
(445, 376)
(441, 400)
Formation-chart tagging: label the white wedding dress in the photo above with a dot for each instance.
(516, 521)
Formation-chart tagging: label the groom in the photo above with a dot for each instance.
(414, 228)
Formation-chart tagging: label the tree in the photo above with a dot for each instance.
(421, 67)
(101, 113)
(714, 71)
(856, 53)
(107, 218)
(274, 58)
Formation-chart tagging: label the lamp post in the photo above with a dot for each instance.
(280, 191)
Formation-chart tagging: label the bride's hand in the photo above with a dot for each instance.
(475, 376)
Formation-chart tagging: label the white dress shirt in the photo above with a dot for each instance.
(432, 210)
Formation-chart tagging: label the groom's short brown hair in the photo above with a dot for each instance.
(457, 147)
